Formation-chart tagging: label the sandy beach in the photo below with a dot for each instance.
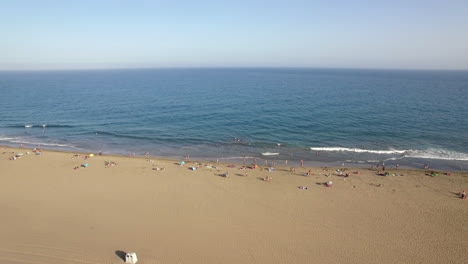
(54, 210)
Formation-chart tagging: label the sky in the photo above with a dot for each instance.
(375, 34)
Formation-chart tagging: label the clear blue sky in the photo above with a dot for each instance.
(80, 34)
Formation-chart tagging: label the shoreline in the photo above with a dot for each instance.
(227, 162)
(418, 163)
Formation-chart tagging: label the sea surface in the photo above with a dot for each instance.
(321, 116)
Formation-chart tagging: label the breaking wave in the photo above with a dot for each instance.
(437, 154)
(35, 143)
(360, 150)
(42, 125)
(432, 153)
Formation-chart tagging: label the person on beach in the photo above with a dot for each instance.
(463, 195)
(267, 179)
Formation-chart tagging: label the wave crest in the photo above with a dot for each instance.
(358, 150)
(432, 153)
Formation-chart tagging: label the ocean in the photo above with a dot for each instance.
(325, 117)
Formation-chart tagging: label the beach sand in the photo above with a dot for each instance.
(52, 213)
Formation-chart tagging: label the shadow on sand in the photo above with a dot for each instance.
(120, 254)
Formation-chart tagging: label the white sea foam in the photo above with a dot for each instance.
(19, 141)
(227, 158)
(6, 138)
(28, 126)
(269, 154)
(336, 149)
(437, 154)
(432, 153)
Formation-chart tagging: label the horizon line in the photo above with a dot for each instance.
(231, 67)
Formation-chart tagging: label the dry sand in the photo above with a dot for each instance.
(51, 213)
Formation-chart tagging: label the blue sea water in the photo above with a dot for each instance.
(321, 116)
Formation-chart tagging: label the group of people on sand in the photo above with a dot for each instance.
(108, 164)
(267, 178)
(20, 155)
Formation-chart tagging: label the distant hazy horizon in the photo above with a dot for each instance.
(364, 34)
(227, 67)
